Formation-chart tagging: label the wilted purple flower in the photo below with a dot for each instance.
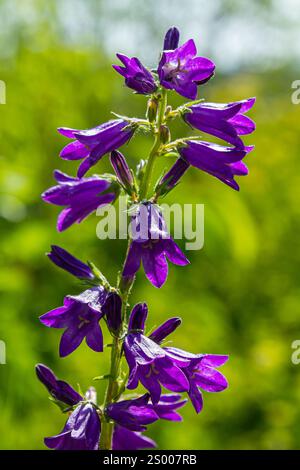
(92, 144)
(137, 77)
(124, 439)
(182, 71)
(172, 177)
(201, 373)
(171, 40)
(63, 259)
(151, 244)
(58, 389)
(80, 317)
(80, 196)
(133, 414)
(167, 405)
(112, 309)
(222, 162)
(148, 362)
(225, 121)
(122, 170)
(81, 431)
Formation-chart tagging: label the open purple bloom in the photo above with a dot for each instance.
(137, 77)
(124, 439)
(171, 40)
(133, 414)
(167, 405)
(63, 259)
(182, 71)
(80, 317)
(80, 197)
(151, 244)
(201, 374)
(148, 362)
(225, 121)
(92, 144)
(222, 162)
(81, 431)
(58, 389)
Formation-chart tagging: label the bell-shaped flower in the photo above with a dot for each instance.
(79, 316)
(152, 245)
(80, 196)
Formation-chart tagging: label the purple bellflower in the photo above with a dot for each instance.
(151, 244)
(124, 439)
(182, 71)
(201, 374)
(80, 196)
(222, 162)
(81, 431)
(80, 317)
(137, 77)
(133, 414)
(64, 260)
(92, 144)
(148, 362)
(225, 121)
(58, 389)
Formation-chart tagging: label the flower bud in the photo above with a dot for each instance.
(152, 109)
(165, 329)
(138, 317)
(170, 180)
(122, 170)
(165, 135)
(171, 39)
(113, 311)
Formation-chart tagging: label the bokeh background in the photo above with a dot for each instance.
(240, 295)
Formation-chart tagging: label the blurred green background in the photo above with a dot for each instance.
(240, 295)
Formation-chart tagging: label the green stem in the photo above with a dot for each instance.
(156, 146)
(116, 384)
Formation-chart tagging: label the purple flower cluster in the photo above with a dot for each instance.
(120, 421)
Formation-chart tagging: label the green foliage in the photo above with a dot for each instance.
(239, 296)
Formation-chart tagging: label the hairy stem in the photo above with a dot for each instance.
(156, 146)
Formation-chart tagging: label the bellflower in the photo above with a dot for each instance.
(80, 197)
(81, 431)
(80, 317)
(222, 162)
(58, 389)
(64, 260)
(92, 144)
(124, 439)
(133, 414)
(152, 245)
(137, 77)
(225, 121)
(148, 362)
(182, 71)
(201, 374)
